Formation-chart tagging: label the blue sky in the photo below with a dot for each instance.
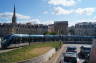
(48, 11)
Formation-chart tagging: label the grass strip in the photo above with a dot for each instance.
(22, 53)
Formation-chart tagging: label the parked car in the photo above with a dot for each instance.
(71, 49)
(71, 57)
(85, 52)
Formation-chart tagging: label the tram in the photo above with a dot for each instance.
(24, 39)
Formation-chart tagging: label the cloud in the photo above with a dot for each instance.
(62, 11)
(63, 2)
(35, 21)
(93, 20)
(80, 11)
(45, 12)
(6, 17)
(32, 21)
(38, 21)
(87, 11)
(48, 22)
(19, 16)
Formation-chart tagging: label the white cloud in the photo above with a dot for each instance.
(80, 11)
(61, 11)
(7, 18)
(45, 12)
(35, 21)
(38, 21)
(79, 0)
(71, 23)
(22, 16)
(48, 22)
(63, 2)
(32, 21)
(87, 11)
(8, 15)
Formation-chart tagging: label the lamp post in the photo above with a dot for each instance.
(60, 40)
(29, 34)
(29, 39)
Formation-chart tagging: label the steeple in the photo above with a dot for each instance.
(14, 16)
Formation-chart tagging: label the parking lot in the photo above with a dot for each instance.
(78, 50)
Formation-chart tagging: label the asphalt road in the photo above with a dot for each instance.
(78, 50)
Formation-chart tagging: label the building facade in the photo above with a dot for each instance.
(85, 29)
(92, 58)
(51, 28)
(61, 27)
(71, 30)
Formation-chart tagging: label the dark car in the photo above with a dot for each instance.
(71, 57)
(71, 49)
(85, 52)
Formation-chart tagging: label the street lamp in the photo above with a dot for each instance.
(60, 39)
(29, 34)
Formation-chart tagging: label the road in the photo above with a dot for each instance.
(78, 50)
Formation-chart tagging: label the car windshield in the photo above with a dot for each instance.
(70, 59)
(87, 48)
(71, 49)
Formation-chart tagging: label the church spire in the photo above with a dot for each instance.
(14, 16)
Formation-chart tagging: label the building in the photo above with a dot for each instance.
(14, 17)
(85, 29)
(51, 28)
(15, 28)
(71, 30)
(93, 52)
(61, 27)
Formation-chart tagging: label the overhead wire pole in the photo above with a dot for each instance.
(29, 34)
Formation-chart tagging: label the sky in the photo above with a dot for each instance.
(48, 11)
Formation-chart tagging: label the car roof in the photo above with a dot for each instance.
(71, 47)
(70, 54)
(86, 46)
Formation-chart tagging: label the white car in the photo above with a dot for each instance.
(71, 57)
